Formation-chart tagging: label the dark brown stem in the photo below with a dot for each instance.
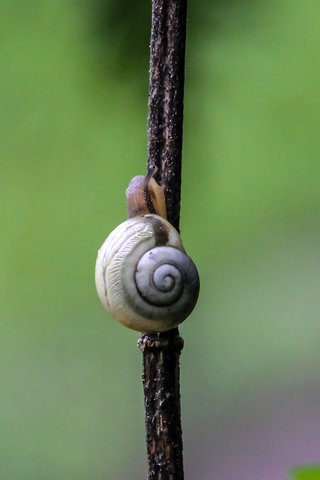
(161, 351)
(165, 122)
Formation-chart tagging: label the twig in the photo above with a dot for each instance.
(161, 351)
(165, 123)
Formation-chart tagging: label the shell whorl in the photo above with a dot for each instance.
(144, 277)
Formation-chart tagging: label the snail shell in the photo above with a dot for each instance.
(143, 276)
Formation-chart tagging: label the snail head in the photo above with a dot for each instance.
(145, 196)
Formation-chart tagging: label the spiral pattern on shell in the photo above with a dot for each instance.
(144, 277)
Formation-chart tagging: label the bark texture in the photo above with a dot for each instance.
(161, 352)
(165, 122)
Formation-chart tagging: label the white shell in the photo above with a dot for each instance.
(144, 277)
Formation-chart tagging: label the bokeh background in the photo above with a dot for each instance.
(73, 94)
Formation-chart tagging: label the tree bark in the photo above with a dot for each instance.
(161, 351)
(165, 122)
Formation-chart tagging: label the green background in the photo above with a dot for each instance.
(307, 473)
(73, 129)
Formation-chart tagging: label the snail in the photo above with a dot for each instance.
(143, 276)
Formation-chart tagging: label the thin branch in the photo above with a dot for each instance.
(165, 122)
(161, 351)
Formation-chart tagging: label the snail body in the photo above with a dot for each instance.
(143, 276)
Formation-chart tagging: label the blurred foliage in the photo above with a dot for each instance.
(122, 29)
(311, 473)
(73, 134)
(122, 32)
